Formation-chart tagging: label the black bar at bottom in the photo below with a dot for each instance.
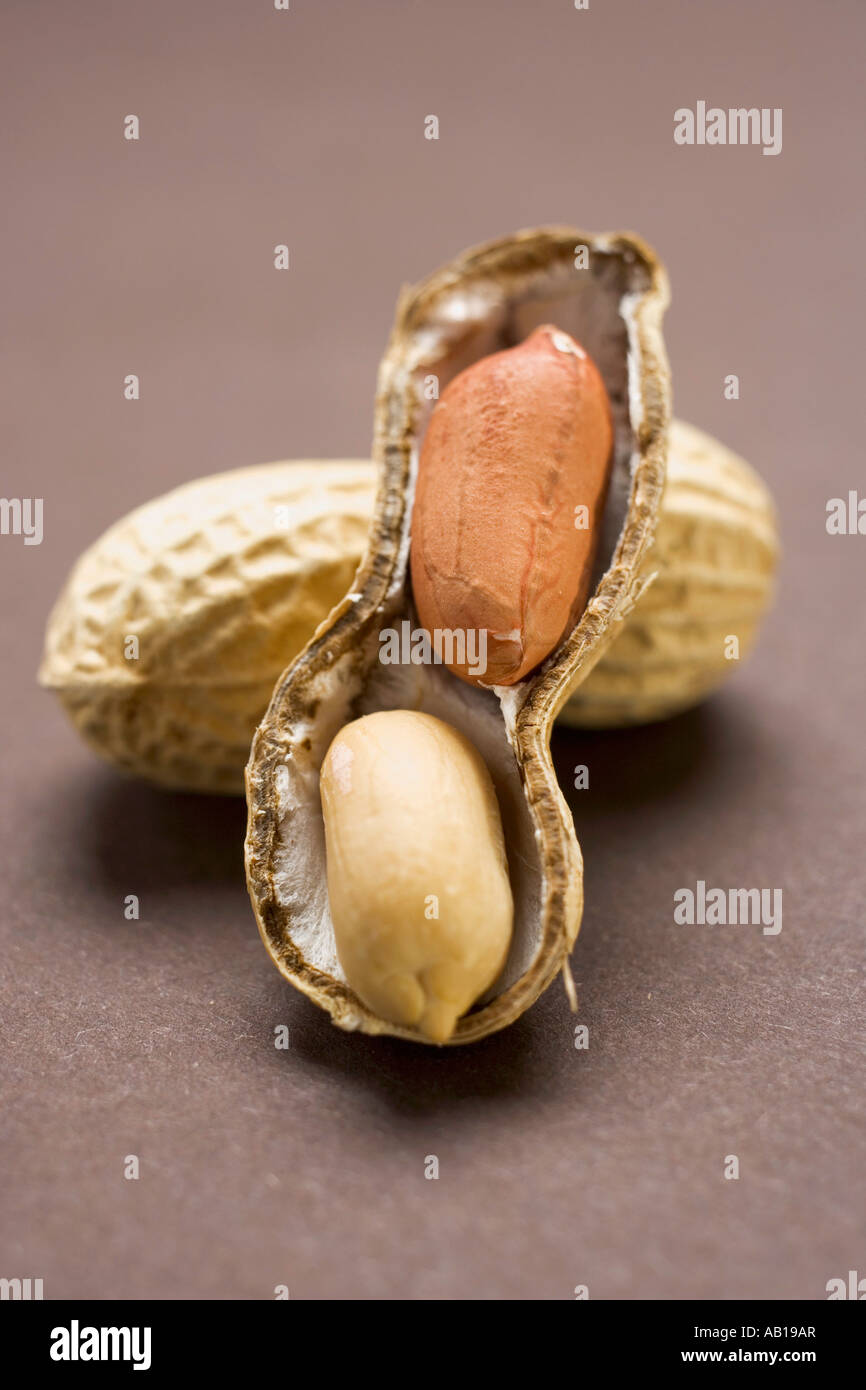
(162, 1339)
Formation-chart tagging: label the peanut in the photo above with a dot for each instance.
(708, 574)
(417, 876)
(221, 582)
(517, 445)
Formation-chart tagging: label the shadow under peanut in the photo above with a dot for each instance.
(128, 836)
(637, 766)
(413, 1079)
(711, 755)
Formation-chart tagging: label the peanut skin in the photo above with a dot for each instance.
(417, 876)
(518, 443)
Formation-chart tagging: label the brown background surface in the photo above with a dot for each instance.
(305, 1167)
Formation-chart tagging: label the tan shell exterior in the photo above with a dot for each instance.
(505, 275)
(223, 581)
(710, 575)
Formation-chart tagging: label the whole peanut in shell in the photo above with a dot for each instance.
(511, 484)
(220, 582)
(708, 575)
(712, 564)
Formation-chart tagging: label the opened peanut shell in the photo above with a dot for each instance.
(609, 297)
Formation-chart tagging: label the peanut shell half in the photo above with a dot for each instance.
(486, 299)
